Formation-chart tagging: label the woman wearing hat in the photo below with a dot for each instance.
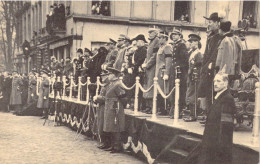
(195, 61)
(43, 99)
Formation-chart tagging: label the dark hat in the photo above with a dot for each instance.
(55, 4)
(214, 16)
(80, 50)
(113, 70)
(51, 6)
(225, 26)
(194, 37)
(139, 37)
(87, 50)
(111, 41)
(14, 71)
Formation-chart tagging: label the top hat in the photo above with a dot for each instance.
(139, 37)
(80, 50)
(214, 16)
(225, 26)
(194, 37)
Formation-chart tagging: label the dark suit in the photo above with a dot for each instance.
(218, 134)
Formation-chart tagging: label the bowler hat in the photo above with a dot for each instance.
(80, 50)
(214, 16)
(194, 37)
(225, 26)
(140, 37)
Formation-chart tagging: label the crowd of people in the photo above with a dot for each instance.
(166, 56)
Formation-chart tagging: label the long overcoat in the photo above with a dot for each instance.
(114, 116)
(210, 55)
(150, 62)
(32, 96)
(230, 54)
(16, 97)
(43, 99)
(163, 67)
(120, 58)
(195, 61)
(217, 139)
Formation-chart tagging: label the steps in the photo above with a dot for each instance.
(178, 149)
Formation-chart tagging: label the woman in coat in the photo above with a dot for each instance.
(43, 100)
(16, 95)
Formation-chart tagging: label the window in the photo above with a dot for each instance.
(250, 12)
(182, 11)
(101, 8)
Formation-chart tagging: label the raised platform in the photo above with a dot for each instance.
(157, 141)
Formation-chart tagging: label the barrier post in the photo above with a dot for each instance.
(136, 95)
(255, 132)
(64, 87)
(79, 88)
(52, 83)
(58, 92)
(177, 97)
(154, 117)
(71, 81)
(37, 84)
(98, 84)
(87, 95)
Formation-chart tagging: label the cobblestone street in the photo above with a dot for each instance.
(23, 139)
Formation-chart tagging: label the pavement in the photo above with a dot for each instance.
(24, 139)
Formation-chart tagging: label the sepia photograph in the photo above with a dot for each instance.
(129, 82)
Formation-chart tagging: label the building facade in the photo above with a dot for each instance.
(89, 24)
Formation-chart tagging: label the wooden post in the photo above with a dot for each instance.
(64, 87)
(87, 95)
(154, 117)
(255, 132)
(136, 95)
(71, 81)
(177, 97)
(79, 88)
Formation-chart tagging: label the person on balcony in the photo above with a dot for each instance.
(149, 67)
(195, 61)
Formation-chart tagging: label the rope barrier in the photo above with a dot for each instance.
(143, 90)
(164, 95)
(74, 84)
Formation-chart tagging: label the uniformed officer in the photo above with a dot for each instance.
(114, 116)
(43, 99)
(16, 98)
(179, 59)
(195, 61)
(32, 96)
(112, 54)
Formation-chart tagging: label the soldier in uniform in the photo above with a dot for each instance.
(6, 91)
(149, 67)
(195, 61)
(163, 68)
(16, 98)
(105, 140)
(179, 59)
(209, 59)
(112, 54)
(43, 99)
(114, 116)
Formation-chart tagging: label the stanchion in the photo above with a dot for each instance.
(136, 95)
(255, 132)
(154, 117)
(37, 84)
(71, 82)
(58, 90)
(87, 95)
(177, 97)
(64, 87)
(79, 88)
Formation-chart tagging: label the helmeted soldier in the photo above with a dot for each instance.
(16, 98)
(114, 116)
(163, 69)
(195, 61)
(149, 66)
(43, 99)
(112, 54)
(179, 59)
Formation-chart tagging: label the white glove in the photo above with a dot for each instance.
(165, 77)
(105, 67)
(122, 69)
(32, 94)
(140, 69)
(144, 65)
(44, 97)
(130, 70)
(210, 65)
(95, 98)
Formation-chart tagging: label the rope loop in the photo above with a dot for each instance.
(164, 95)
(143, 90)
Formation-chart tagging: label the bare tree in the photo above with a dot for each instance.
(7, 14)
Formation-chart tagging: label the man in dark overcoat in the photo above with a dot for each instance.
(114, 116)
(16, 93)
(217, 139)
(149, 67)
(179, 59)
(6, 91)
(43, 99)
(112, 54)
(205, 88)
